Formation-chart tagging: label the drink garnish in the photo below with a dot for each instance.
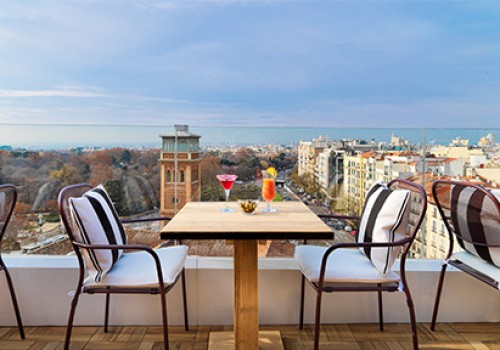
(272, 171)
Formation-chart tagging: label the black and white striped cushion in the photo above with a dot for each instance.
(476, 219)
(384, 219)
(98, 223)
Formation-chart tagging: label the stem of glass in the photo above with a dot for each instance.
(227, 198)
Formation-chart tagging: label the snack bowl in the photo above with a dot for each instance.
(248, 206)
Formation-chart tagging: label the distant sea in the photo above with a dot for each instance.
(65, 136)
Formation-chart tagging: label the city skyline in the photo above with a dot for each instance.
(43, 136)
(350, 64)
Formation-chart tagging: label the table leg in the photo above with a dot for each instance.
(246, 306)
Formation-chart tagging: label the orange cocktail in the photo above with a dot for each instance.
(268, 188)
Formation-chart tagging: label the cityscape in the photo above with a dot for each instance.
(329, 175)
(199, 118)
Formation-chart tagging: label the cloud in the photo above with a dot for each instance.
(62, 92)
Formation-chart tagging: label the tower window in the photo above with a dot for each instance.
(182, 176)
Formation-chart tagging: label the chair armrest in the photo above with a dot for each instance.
(114, 246)
(364, 244)
(161, 218)
(143, 247)
(332, 216)
(333, 247)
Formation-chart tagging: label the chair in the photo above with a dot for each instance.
(391, 217)
(8, 199)
(98, 239)
(471, 214)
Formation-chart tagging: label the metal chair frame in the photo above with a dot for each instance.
(162, 290)
(321, 286)
(451, 234)
(10, 189)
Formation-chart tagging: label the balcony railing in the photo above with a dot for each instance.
(210, 294)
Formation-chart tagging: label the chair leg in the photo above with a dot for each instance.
(71, 317)
(380, 309)
(165, 320)
(106, 313)
(438, 297)
(413, 319)
(184, 299)
(301, 316)
(14, 302)
(317, 319)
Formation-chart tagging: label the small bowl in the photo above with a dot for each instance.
(248, 206)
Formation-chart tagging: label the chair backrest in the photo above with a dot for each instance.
(392, 213)
(91, 218)
(8, 199)
(471, 214)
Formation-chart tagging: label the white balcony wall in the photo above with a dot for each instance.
(43, 282)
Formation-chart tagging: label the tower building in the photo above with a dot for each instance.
(180, 170)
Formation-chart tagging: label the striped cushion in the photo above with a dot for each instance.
(384, 219)
(476, 219)
(98, 223)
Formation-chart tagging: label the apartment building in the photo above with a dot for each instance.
(329, 170)
(307, 154)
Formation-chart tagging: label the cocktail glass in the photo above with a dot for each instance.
(227, 182)
(268, 190)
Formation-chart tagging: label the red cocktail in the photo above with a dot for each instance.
(227, 182)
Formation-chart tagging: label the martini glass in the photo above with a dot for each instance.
(227, 182)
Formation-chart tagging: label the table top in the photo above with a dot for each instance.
(203, 220)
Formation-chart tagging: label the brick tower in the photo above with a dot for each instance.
(180, 170)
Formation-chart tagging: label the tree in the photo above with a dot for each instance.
(100, 158)
(126, 156)
(210, 166)
(115, 189)
(101, 173)
(210, 187)
(67, 175)
(22, 208)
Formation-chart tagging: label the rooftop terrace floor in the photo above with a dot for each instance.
(396, 336)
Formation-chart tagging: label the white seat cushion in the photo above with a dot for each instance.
(138, 269)
(478, 264)
(344, 266)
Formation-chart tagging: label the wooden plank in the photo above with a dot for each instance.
(52, 338)
(246, 301)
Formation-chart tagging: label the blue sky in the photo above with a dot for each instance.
(260, 63)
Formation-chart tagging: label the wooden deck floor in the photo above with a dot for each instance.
(451, 336)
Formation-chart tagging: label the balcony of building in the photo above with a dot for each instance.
(44, 284)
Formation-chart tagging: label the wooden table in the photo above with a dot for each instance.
(202, 220)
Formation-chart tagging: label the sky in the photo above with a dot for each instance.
(294, 63)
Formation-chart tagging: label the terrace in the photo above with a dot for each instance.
(43, 282)
(343, 336)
